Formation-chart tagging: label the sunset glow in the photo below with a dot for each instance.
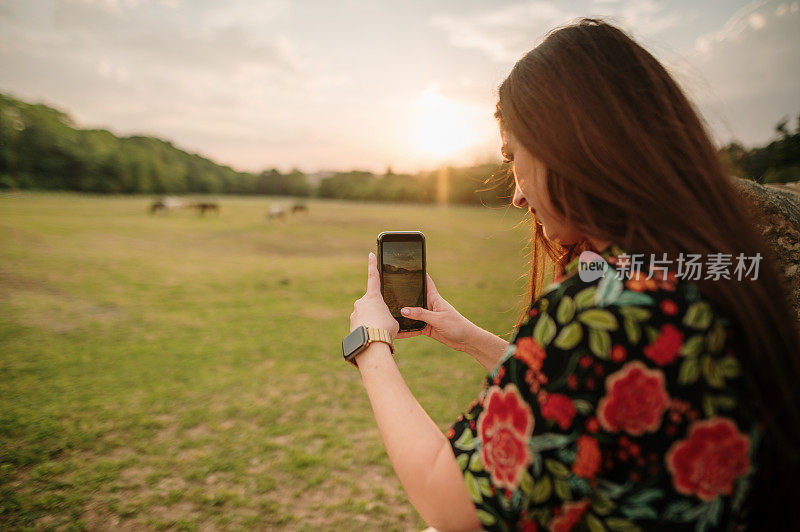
(443, 127)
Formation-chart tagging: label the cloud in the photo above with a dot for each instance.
(222, 78)
(746, 18)
(746, 69)
(504, 34)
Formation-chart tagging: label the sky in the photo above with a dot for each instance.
(339, 85)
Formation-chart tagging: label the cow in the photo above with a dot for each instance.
(275, 212)
(202, 207)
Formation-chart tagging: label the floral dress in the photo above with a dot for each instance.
(619, 405)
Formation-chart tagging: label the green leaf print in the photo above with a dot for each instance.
(729, 367)
(544, 330)
(693, 346)
(465, 442)
(526, 484)
(594, 523)
(689, 372)
(708, 405)
(632, 330)
(485, 486)
(698, 316)
(639, 512)
(723, 402)
(645, 496)
(597, 318)
(675, 510)
(710, 518)
(462, 460)
(711, 372)
(566, 310)
(542, 490)
(583, 406)
(629, 297)
(549, 440)
(585, 298)
(556, 468)
(715, 338)
(635, 313)
(600, 343)
(652, 333)
(475, 462)
(608, 289)
(562, 489)
(601, 503)
(473, 487)
(618, 524)
(569, 336)
(486, 518)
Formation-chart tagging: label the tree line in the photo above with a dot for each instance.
(777, 162)
(41, 148)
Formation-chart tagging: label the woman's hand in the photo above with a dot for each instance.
(444, 323)
(371, 309)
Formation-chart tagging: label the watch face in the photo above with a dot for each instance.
(354, 341)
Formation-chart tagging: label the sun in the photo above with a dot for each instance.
(443, 127)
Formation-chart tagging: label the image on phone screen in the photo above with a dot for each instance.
(403, 274)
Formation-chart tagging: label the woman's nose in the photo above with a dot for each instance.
(519, 199)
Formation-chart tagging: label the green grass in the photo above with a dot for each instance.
(179, 372)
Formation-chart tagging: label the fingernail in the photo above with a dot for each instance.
(371, 255)
(405, 311)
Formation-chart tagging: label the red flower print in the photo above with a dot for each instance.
(530, 352)
(592, 425)
(559, 408)
(572, 382)
(638, 282)
(665, 347)
(707, 462)
(504, 428)
(571, 513)
(585, 361)
(588, 461)
(532, 380)
(527, 524)
(668, 307)
(635, 400)
(618, 353)
(450, 433)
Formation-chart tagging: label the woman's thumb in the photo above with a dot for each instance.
(418, 313)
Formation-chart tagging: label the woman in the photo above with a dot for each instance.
(632, 400)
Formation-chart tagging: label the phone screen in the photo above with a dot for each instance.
(403, 276)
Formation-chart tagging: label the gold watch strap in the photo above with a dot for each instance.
(380, 335)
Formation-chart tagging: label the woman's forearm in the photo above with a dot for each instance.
(420, 454)
(486, 348)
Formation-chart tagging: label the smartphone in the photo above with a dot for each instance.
(401, 262)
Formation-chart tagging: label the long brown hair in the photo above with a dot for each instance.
(630, 161)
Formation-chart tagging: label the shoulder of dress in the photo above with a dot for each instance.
(622, 301)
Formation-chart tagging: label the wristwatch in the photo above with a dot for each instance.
(360, 338)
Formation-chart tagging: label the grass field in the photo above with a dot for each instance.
(180, 372)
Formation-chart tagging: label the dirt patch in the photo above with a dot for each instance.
(45, 307)
(97, 516)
